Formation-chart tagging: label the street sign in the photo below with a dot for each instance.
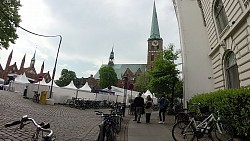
(40, 78)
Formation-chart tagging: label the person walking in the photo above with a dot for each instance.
(148, 108)
(138, 103)
(163, 107)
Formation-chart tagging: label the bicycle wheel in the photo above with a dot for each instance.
(109, 134)
(224, 133)
(34, 98)
(182, 131)
(181, 117)
(118, 124)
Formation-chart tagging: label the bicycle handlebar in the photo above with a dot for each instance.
(39, 127)
(12, 124)
(105, 115)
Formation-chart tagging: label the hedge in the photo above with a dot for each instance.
(233, 105)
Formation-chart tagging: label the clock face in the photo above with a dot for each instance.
(155, 43)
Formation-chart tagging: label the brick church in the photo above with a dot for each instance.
(11, 70)
(131, 71)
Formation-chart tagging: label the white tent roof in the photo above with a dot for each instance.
(147, 93)
(71, 85)
(117, 90)
(86, 87)
(54, 84)
(22, 79)
(43, 82)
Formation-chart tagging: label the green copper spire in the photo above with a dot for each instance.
(32, 63)
(155, 33)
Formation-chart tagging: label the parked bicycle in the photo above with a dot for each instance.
(110, 126)
(36, 97)
(40, 128)
(214, 128)
(199, 113)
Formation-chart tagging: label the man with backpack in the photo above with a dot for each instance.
(163, 104)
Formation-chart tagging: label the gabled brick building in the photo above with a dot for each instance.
(11, 71)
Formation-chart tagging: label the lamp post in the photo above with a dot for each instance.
(125, 94)
(54, 70)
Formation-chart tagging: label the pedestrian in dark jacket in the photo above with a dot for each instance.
(163, 103)
(139, 105)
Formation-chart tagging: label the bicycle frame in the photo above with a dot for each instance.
(204, 123)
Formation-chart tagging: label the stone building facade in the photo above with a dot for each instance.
(215, 42)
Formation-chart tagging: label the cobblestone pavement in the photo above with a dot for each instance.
(68, 124)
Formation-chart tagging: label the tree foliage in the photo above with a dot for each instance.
(142, 81)
(66, 77)
(164, 74)
(179, 89)
(108, 77)
(9, 21)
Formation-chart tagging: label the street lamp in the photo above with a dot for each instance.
(125, 94)
(54, 70)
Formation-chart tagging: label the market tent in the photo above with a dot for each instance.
(22, 79)
(42, 82)
(147, 93)
(54, 84)
(116, 90)
(151, 95)
(85, 87)
(71, 86)
(20, 83)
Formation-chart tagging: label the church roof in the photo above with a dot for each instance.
(120, 69)
(155, 33)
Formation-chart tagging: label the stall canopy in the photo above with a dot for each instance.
(85, 87)
(22, 79)
(147, 93)
(54, 84)
(71, 86)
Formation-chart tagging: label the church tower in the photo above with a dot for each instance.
(111, 58)
(155, 42)
(32, 62)
(8, 61)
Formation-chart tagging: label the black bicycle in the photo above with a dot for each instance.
(40, 128)
(109, 127)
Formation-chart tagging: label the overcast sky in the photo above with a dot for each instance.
(90, 28)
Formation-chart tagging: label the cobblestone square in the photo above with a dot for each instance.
(68, 124)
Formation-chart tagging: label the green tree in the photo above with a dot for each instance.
(108, 77)
(164, 74)
(179, 89)
(66, 77)
(9, 21)
(141, 82)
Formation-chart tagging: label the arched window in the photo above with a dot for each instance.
(231, 68)
(220, 16)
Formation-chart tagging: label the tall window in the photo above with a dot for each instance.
(220, 16)
(232, 74)
(152, 57)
